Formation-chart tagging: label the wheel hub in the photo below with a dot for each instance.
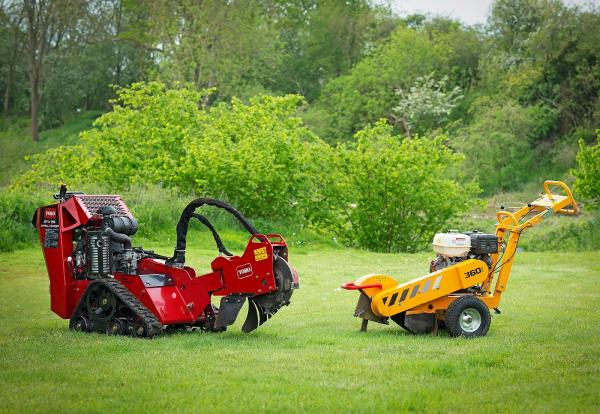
(470, 320)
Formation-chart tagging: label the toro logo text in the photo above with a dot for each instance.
(244, 270)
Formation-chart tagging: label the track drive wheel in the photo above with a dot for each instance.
(139, 330)
(467, 316)
(80, 324)
(101, 303)
(116, 327)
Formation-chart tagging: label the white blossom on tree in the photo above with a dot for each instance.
(425, 105)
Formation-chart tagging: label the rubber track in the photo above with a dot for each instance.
(153, 325)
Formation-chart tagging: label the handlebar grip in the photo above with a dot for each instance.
(352, 286)
(509, 215)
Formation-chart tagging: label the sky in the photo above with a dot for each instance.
(468, 11)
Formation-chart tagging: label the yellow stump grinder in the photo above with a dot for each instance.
(467, 279)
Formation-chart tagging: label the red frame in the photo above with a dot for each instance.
(181, 302)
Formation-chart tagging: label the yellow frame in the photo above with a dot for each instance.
(433, 293)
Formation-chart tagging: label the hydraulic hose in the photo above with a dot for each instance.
(188, 212)
(218, 241)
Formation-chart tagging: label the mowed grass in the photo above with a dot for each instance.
(541, 354)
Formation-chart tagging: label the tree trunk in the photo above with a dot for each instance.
(9, 77)
(118, 22)
(7, 91)
(34, 65)
(35, 104)
(405, 126)
(14, 54)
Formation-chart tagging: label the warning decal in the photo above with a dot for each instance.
(260, 254)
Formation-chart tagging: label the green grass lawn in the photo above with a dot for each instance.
(542, 354)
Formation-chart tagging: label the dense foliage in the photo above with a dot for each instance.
(260, 157)
(283, 100)
(16, 213)
(502, 161)
(256, 155)
(368, 93)
(396, 193)
(588, 171)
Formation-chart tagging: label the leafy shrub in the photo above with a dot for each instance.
(258, 156)
(426, 105)
(565, 233)
(255, 155)
(397, 193)
(588, 171)
(263, 160)
(16, 213)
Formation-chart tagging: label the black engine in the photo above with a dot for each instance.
(104, 247)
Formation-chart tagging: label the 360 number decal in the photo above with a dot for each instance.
(473, 272)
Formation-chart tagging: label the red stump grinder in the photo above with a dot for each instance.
(102, 283)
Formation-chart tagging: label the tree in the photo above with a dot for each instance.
(497, 144)
(425, 105)
(47, 24)
(232, 46)
(368, 92)
(12, 18)
(513, 21)
(546, 53)
(323, 39)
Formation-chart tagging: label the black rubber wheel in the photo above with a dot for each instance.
(467, 316)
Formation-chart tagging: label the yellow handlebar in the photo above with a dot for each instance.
(502, 214)
(560, 203)
(522, 218)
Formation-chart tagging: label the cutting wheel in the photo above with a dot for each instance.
(262, 307)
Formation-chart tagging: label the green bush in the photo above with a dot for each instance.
(564, 234)
(588, 171)
(16, 212)
(394, 193)
(260, 158)
(256, 155)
